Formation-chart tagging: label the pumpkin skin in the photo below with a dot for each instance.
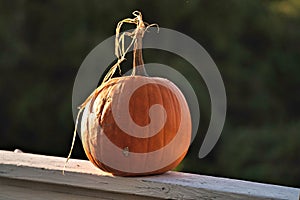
(136, 125)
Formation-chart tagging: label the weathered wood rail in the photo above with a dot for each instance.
(29, 176)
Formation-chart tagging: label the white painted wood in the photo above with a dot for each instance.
(29, 176)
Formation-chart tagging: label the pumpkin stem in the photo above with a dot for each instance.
(138, 63)
(137, 37)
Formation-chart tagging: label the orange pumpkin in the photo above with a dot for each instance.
(136, 125)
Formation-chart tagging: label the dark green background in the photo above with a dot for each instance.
(255, 44)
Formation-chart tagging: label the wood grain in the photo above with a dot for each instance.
(29, 176)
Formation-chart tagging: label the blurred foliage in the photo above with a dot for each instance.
(255, 44)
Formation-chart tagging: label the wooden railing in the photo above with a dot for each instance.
(29, 176)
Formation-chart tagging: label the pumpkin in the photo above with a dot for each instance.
(136, 125)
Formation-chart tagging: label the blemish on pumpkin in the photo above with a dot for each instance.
(126, 151)
(108, 99)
